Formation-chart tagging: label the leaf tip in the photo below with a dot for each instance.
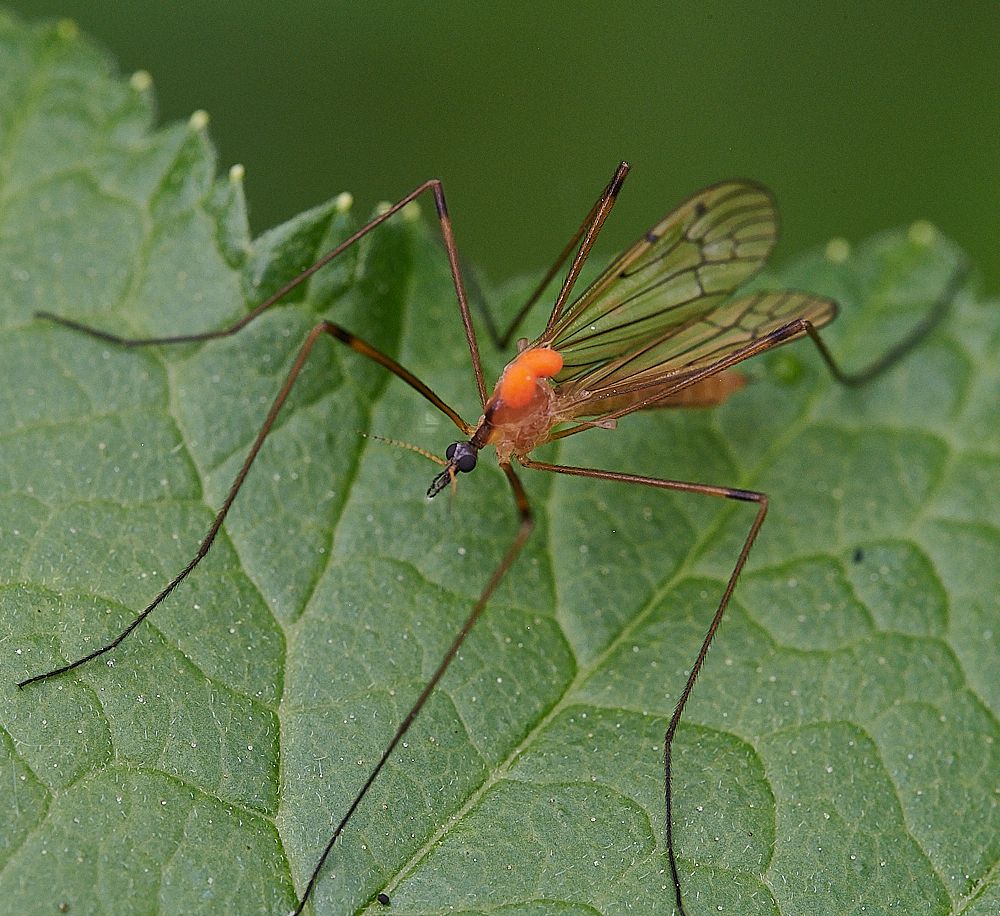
(837, 250)
(922, 232)
(141, 81)
(67, 30)
(198, 120)
(344, 201)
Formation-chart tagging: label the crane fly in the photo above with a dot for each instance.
(660, 327)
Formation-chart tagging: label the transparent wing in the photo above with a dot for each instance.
(679, 271)
(709, 340)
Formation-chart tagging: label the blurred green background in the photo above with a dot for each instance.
(861, 115)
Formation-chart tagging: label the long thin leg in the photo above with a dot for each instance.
(590, 226)
(526, 526)
(589, 230)
(800, 327)
(434, 185)
(603, 209)
(896, 352)
(527, 523)
(324, 327)
(706, 490)
(781, 335)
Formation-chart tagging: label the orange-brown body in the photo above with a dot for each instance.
(525, 407)
(520, 413)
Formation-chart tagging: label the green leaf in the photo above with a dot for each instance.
(839, 753)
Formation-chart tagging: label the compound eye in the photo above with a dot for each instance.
(462, 455)
(466, 462)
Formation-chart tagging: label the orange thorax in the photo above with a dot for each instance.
(519, 414)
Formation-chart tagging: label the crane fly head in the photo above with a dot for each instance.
(462, 457)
